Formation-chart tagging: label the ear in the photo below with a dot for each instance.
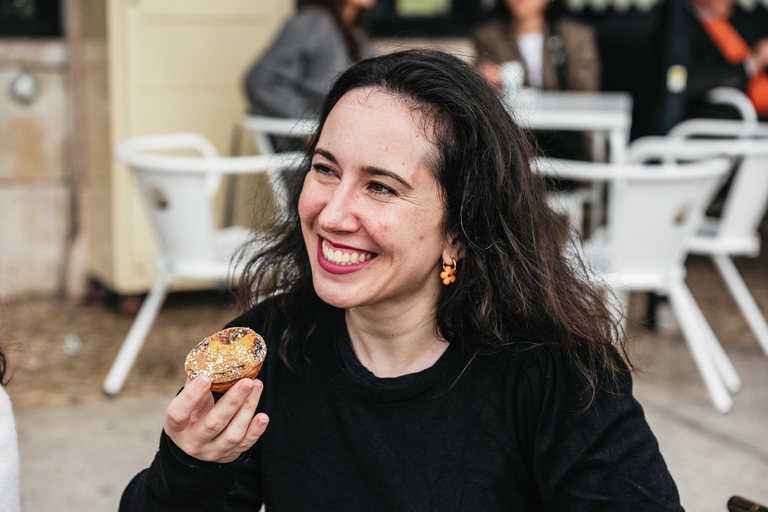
(454, 249)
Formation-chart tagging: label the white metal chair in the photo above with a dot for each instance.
(262, 127)
(179, 193)
(736, 99)
(643, 248)
(735, 232)
(570, 205)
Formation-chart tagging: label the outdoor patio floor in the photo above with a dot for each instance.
(79, 448)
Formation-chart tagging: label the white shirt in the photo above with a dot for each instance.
(9, 457)
(532, 47)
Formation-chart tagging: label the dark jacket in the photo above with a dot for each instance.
(495, 42)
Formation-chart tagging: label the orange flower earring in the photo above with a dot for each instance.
(448, 275)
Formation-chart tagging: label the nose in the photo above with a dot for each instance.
(340, 212)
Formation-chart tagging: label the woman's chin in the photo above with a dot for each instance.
(337, 300)
(336, 296)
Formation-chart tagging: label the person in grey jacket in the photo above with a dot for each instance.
(291, 79)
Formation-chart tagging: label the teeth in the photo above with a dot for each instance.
(342, 258)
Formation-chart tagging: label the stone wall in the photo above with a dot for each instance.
(35, 187)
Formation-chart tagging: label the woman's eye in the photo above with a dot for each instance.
(378, 188)
(323, 169)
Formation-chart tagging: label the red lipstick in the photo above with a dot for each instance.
(335, 268)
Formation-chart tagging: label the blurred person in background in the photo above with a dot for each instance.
(717, 44)
(725, 49)
(9, 451)
(555, 53)
(319, 43)
(432, 346)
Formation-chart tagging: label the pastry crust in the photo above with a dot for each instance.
(226, 357)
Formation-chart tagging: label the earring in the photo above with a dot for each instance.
(448, 275)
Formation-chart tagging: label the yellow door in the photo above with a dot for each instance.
(173, 65)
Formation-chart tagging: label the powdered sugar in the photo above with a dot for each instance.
(227, 356)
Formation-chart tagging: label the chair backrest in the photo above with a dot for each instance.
(736, 99)
(262, 127)
(724, 128)
(178, 200)
(747, 200)
(654, 208)
(656, 211)
(177, 189)
(180, 211)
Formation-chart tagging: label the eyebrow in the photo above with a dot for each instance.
(370, 170)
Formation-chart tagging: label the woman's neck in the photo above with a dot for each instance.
(528, 25)
(393, 341)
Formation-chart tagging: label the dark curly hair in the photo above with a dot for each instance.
(517, 288)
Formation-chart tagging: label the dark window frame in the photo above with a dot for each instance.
(44, 23)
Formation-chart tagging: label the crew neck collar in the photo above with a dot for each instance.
(349, 372)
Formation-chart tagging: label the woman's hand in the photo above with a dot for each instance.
(759, 55)
(215, 432)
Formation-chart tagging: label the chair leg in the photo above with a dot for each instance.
(744, 299)
(136, 336)
(684, 306)
(722, 362)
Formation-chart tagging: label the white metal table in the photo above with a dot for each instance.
(607, 113)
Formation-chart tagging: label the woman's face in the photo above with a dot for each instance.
(371, 209)
(523, 9)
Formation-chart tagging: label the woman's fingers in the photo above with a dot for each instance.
(202, 407)
(217, 432)
(217, 419)
(229, 452)
(235, 432)
(255, 430)
(179, 411)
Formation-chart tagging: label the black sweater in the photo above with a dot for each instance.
(505, 432)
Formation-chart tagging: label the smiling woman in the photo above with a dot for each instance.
(371, 192)
(437, 350)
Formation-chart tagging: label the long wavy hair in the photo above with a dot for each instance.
(516, 288)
